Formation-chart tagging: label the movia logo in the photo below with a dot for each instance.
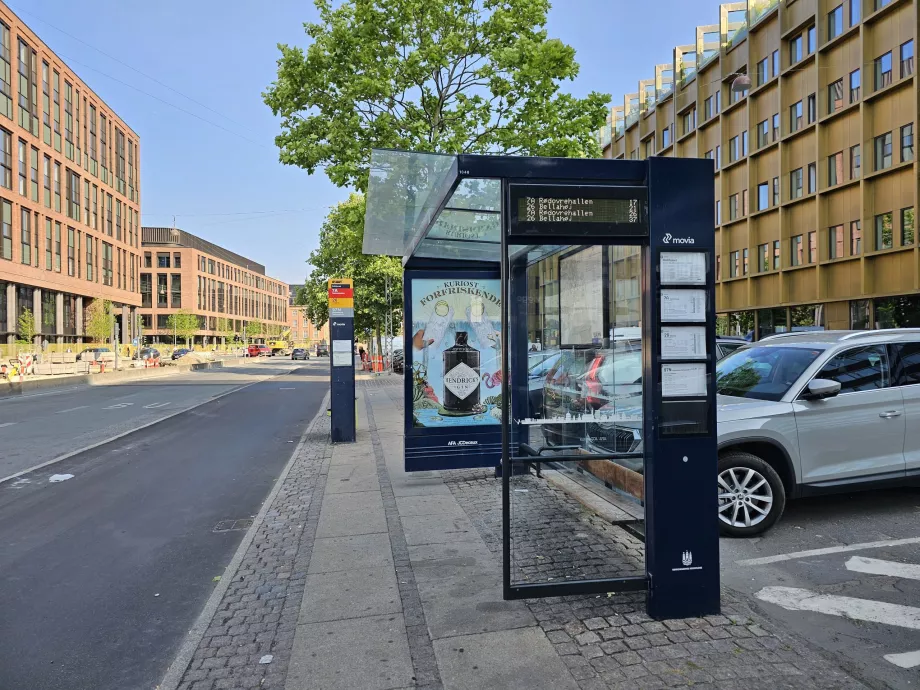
(670, 239)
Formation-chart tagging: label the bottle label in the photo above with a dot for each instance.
(462, 380)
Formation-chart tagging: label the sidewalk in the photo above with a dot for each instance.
(360, 576)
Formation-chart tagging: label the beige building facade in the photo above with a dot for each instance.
(225, 290)
(815, 168)
(69, 195)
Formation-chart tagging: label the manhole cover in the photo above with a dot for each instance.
(232, 525)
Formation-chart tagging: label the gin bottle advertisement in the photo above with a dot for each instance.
(455, 340)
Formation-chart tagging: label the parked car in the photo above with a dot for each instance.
(816, 412)
(399, 361)
(726, 344)
(148, 355)
(92, 353)
(259, 350)
(180, 353)
(300, 353)
(322, 351)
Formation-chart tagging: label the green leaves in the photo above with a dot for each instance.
(455, 76)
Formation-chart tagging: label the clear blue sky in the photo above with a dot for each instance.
(222, 54)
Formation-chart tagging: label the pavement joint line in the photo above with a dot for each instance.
(421, 648)
(177, 669)
(795, 555)
(103, 442)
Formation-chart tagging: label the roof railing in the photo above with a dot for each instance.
(859, 334)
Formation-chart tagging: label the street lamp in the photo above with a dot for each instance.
(741, 83)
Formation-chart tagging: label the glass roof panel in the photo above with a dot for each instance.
(477, 194)
(458, 225)
(458, 250)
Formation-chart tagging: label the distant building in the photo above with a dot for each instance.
(225, 290)
(304, 332)
(69, 195)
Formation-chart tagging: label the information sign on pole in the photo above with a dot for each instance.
(341, 364)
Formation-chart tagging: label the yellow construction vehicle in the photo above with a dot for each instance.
(282, 345)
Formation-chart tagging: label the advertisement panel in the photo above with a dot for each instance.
(456, 352)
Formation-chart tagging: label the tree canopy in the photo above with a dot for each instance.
(183, 324)
(339, 256)
(453, 76)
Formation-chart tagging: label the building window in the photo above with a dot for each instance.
(855, 11)
(884, 238)
(835, 22)
(23, 168)
(797, 255)
(855, 238)
(775, 63)
(907, 59)
(707, 108)
(162, 290)
(777, 259)
(106, 264)
(812, 109)
(162, 260)
(763, 258)
(812, 40)
(763, 134)
(835, 242)
(763, 196)
(883, 151)
(73, 195)
(796, 183)
(907, 226)
(835, 169)
(718, 212)
(718, 157)
(763, 71)
(57, 187)
(177, 260)
(883, 71)
(57, 246)
(89, 258)
(148, 260)
(108, 214)
(835, 96)
(854, 86)
(25, 236)
(162, 321)
(812, 178)
(795, 117)
(733, 207)
(744, 143)
(689, 121)
(33, 175)
(812, 247)
(147, 291)
(733, 264)
(795, 49)
(854, 162)
(176, 291)
(744, 202)
(666, 137)
(907, 143)
(744, 261)
(71, 251)
(733, 149)
(776, 191)
(49, 263)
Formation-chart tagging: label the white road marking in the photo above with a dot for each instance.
(831, 549)
(905, 660)
(6, 424)
(153, 406)
(287, 389)
(117, 406)
(875, 566)
(795, 599)
(59, 478)
(72, 409)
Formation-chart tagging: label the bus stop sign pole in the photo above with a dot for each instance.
(342, 360)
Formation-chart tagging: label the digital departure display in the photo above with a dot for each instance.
(542, 209)
(585, 210)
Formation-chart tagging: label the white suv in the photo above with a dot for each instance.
(807, 413)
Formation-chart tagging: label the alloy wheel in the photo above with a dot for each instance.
(745, 497)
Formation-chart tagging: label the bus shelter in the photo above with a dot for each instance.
(561, 312)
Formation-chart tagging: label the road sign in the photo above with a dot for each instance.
(134, 342)
(341, 298)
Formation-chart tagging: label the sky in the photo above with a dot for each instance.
(188, 75)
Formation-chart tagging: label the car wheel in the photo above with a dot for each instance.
(751, 495)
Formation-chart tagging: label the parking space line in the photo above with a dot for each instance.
(905, 660)
(796, 599)
(829, 550)
(153, 406)
(72, 409)
(875, 566)
(6, 424)
(118, 406)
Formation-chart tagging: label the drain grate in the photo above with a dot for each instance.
(232, 525)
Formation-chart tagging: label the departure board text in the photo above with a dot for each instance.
(538, 209)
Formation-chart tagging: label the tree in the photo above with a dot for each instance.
(98, 324)
(455, 76)
(27, 327)
(253, 329)
(226, 328)
(339, 256)
(183, 324)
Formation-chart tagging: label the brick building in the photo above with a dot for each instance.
(69, 194)
(815, 173)
(225, 290)
(304, 333)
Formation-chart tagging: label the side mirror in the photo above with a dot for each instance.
(819, 389)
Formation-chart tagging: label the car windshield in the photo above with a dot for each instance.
(763, 373)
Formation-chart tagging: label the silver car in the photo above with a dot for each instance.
(801, 414)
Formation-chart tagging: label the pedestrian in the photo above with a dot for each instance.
(361, 353)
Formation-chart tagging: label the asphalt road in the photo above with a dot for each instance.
(861, 606)
(38, 428)
(103, 574)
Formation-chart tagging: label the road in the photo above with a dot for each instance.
(858, 599)
(104, 573)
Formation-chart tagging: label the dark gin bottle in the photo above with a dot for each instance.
(461, 377)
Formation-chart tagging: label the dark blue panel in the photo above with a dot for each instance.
(342, 383)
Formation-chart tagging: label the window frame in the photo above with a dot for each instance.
(886, 370)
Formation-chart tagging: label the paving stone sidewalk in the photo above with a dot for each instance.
(363, 576)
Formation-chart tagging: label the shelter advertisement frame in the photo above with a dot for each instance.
(469, 435)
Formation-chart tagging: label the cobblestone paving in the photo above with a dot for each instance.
(607, 641)
(258, 613)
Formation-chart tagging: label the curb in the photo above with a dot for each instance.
(183, 658)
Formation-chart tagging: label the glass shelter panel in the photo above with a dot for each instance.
(577, 411)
